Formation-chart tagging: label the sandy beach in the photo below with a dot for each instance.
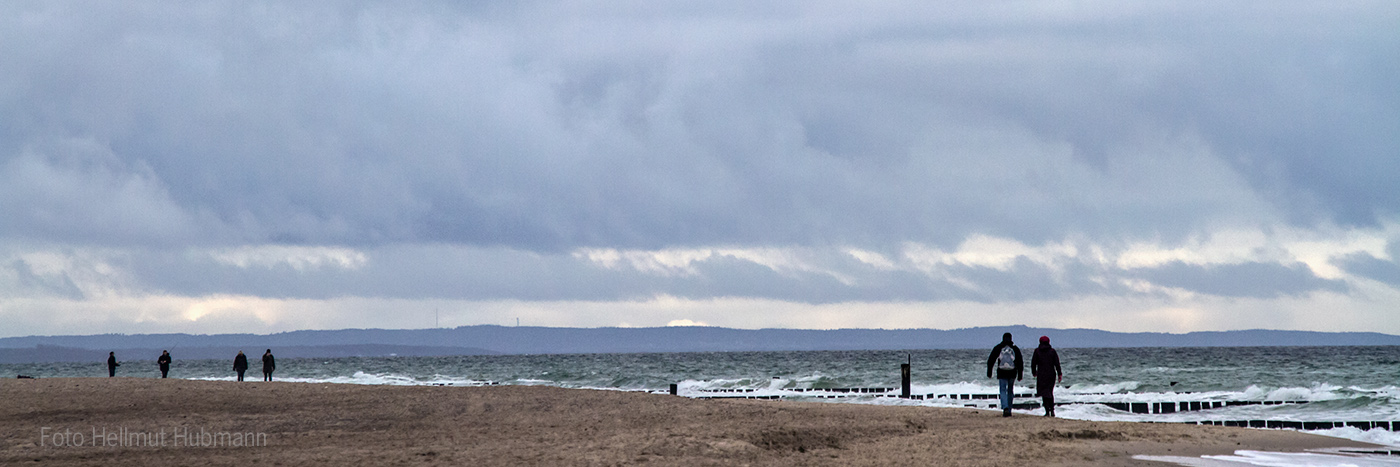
(152, 422)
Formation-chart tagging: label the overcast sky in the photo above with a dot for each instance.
(268, 166)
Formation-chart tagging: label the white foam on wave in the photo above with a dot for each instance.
(1374, 436)
(1277, 459)
(954, 388)
(692, 385)
(1070, 396)
(1318, 392)
(1389, 392)
(372, 379)
(1094, 412)
(778, 384)
(1109, 388)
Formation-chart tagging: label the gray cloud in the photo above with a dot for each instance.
(1365, 265)
(1251, 279)
(545, 128)
(469, 150)
(28, 283)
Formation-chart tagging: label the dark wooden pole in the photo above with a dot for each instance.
(904, 378)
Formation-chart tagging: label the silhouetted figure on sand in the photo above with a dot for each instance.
(164, 362)
(240, 364)
(112, 364)
(1006, 360)
(269, 364)
(1045, 367)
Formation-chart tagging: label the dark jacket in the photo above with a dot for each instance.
(1043, 361)
(164, 360)
(1005, 374)
(240, 363)
(112, 361)
(269, 363)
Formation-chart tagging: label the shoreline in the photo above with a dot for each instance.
(337, 424)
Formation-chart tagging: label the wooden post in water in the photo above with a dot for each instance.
(904, 377)
(673, 389)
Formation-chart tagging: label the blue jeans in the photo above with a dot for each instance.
(1007, 387)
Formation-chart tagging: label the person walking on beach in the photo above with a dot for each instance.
(164, 362)
(112, 364)
(240, 364)
(269, 364)
(1045, 367)
(1006, 360)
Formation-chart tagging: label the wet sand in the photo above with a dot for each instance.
(289, 424)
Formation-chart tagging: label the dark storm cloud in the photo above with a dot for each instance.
(392, 272)
(1365, 265)
(545, 127)
(481, 150)
(1251, 279)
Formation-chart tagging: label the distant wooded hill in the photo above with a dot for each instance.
(42, 353)
(486, 339)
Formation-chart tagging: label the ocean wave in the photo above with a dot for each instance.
(1277, 459)
(1374, 436)
(1103, 388)
(372, 379)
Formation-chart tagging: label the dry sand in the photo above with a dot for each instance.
(342, 424)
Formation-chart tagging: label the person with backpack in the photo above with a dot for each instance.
(1006, 360)
(1045, 367)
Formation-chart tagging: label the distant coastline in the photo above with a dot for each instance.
(490, 339)
(44, 353)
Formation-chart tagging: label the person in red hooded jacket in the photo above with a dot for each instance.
(1045, 367)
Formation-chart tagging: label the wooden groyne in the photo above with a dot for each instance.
(1133, 407)
(1149, 408)
(1030, 402)
(1181, 406)
(977, 396)
(1300, 425)
(838, 390)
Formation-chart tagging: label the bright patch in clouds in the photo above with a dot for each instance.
(1316, 248)
(682, 262)
(872, 258)
(684, 322)
(988, 252)
(298, 258)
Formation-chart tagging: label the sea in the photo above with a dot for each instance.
(1338, 391)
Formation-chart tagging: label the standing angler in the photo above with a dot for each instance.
(240, 364)
(112, 364)
(1006, 358)
(269, 364)
(164, 362)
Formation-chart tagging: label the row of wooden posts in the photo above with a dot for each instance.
(1134, 407)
